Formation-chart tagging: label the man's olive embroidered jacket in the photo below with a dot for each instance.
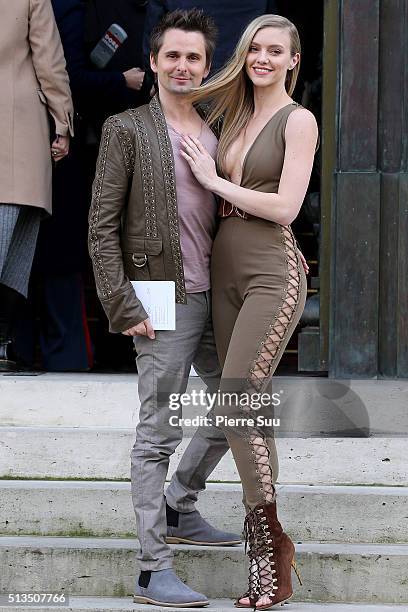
(133, 219)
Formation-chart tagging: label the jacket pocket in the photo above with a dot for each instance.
(143, 258)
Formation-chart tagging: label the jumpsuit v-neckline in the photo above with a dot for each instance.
(258, 136)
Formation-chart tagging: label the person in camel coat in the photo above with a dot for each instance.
(33, 85)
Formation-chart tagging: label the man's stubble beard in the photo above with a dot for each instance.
(182, 92)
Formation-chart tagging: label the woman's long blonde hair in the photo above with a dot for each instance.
(230, 91)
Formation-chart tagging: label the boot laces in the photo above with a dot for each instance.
(259, 544)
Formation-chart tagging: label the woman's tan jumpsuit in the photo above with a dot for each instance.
(259, 292)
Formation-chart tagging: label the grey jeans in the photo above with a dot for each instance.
(164, 365)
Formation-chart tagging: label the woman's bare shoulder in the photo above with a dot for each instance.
(301, 120)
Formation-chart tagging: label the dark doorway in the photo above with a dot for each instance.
(309, 19)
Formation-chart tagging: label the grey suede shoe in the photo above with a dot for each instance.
(164, 588)
(191, 528)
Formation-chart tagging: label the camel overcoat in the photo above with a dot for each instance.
(33, 80)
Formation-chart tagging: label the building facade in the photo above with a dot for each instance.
(363, 276)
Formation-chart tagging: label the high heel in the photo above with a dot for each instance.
(295, 567)
(271, 552)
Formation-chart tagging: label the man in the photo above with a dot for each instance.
(150, 219)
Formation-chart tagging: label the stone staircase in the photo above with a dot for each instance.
(66, 520)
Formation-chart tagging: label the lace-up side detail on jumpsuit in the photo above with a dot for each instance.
(271, 350)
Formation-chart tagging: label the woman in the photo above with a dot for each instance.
(32, 80)
(265, 159)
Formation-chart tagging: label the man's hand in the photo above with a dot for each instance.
(141, 329)
(134, 78)
(304, 262)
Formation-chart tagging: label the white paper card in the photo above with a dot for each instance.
(159, 301)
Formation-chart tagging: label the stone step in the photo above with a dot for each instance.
(121, 604)
(92, 400)
(104, 454)
(104, 509)
(69, 400)
(106, 567)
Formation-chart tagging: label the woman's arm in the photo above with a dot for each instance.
(283, 207)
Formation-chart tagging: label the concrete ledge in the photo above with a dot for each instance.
(104, 509)
(368, 573)
(104, 453)
(70, 400)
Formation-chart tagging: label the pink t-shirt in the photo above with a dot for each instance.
(197, 211)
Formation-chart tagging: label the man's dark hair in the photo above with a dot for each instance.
(193, 20)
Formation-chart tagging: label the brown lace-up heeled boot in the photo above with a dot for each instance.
(271, 553)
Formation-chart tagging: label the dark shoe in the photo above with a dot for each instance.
(9, 306)
(164, 588)
(272, 555)
(10, 362)
(191, 528)
(6, 364)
